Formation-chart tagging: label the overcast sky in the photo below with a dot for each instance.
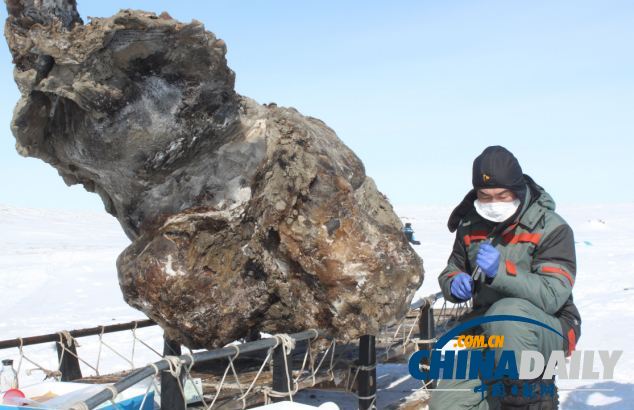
(417, 89)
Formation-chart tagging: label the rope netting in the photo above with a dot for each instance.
(402, 337)
(68, 345)
(405, 334)
(307, 372)
(180, 368)
(317, 358)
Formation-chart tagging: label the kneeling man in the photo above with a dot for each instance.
(514, 256)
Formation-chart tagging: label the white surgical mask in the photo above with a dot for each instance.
(496, 211)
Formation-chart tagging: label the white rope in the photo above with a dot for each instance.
(113, 349)
(66, 334)
(372, 397)
(219, 388)
(405, 341)
(70, 340)
(417, 340)
(153, 383)
(113, 390)
(350, 383)
(269, 392)
(315, 370)
(233, 369)
(175, 365)
(49, 374)
(409, 335)
(323, 358)
(191, 361)
(288, 344)
(99, 351)
(188, 376)
(365, 367)
(133, 344)
(308, 358)
(266, 360)
(332, 357)
(66, 341)
(149, 386)
(79, 406)
(135, 337)
(222, 381)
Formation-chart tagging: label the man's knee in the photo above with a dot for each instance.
(508, 306)
(511, 306)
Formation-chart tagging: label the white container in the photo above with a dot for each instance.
(8, 376)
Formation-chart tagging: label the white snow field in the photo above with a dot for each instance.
(57, 272)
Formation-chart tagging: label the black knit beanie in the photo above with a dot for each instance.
(497, 167)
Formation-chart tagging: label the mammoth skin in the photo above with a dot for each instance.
(243, 217)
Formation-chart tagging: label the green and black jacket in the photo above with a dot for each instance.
(537, 258)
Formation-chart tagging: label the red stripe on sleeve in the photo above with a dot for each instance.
(551, 269)
(572, 341)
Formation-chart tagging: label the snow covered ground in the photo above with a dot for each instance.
(57, 271)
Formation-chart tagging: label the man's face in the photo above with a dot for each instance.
(496, 195)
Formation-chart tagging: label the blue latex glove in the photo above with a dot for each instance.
(488, 260)
(462, 286)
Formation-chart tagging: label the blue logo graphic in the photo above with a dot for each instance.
(481, 363)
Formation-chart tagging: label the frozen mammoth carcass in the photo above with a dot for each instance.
(243, 217)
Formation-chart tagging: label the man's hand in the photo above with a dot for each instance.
(462, 286)
(488, 260)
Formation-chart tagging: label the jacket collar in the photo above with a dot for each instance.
(541, 202)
